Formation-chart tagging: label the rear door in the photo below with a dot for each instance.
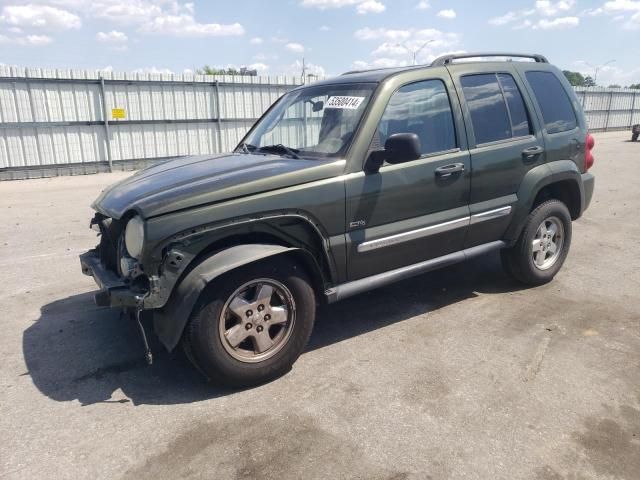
(505, 142)
(413, 211)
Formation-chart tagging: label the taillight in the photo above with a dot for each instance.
(588, 156)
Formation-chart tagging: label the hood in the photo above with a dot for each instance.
(187, 182)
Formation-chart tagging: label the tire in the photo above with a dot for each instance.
(539, 267)
(205, 339)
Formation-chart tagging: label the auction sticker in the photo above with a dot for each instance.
(350, 103)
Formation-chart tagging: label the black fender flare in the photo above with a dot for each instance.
(533, 182)
(170, 321)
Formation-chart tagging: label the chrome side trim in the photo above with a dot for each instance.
(354, 287)
(413, 234)
(490, 214)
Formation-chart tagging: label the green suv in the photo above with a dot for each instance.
(343, 186)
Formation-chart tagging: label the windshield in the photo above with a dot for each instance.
(313, 121)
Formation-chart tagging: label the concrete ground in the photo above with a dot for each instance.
(456, 374)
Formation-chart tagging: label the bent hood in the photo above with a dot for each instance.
(187, 182)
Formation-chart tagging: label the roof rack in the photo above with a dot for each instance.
(367, 70)
(448, 59)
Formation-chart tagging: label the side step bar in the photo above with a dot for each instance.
(355, 287)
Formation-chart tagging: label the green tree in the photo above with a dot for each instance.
(635, 86)
(614, 85)
(207, 70)
(588, 81)
(575, 78)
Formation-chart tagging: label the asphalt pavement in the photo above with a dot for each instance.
(459, 373)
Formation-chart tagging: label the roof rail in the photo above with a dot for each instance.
(448, 59)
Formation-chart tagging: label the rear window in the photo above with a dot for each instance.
(496, 107)
(557, 112)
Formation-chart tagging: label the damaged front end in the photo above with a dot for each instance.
(121, 277)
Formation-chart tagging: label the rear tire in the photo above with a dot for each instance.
(542, 247)
(252, 324)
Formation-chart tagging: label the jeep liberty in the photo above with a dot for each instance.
(343, 186)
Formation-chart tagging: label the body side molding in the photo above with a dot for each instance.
(369, 245)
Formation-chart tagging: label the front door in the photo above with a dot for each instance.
(418, 210)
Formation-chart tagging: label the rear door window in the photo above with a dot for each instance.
(496, 107)
(557, 111)
(519, 120)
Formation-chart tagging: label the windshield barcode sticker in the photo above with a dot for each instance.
(344, 102)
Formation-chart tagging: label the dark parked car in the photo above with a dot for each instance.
(343, 186)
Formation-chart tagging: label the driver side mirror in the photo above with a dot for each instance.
(399, 148)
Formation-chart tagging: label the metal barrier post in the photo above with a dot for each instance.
(103, 100)
(218, 116)
(606, 125)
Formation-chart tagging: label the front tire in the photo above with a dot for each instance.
(543, 245)
(252, 324)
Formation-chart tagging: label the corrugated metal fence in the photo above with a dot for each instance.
(610, 108)
(55, 122)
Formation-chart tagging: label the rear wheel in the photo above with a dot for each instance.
(252, 324)
(543, 245)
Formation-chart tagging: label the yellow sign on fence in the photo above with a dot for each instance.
(118, 113)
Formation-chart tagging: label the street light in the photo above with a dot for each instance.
(414, 51)
(596, 69)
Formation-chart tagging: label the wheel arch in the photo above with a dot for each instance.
(170, 320)
(559, 180)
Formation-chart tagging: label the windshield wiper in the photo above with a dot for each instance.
(246, 147)
(292, 152)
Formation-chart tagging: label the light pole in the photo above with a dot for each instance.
(414, 51)
(596, 69)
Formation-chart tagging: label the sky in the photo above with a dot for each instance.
(333, 36)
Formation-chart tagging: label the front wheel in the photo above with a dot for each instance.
(252, 324)
(543, 245)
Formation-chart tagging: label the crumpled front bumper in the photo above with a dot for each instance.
(114, 291)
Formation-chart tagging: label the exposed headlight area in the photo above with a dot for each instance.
(134, 237)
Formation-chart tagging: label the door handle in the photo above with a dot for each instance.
(532, 152)
(448, 170)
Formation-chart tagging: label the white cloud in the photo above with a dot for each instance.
(557, 23)
(166, 71)
(377, 33)
(423, 5)
(397, 45)
(130, 12)
(184, 25)
(259, 66)
(324, 28)
(294, 47)
(362, 6)
(324, 4)
(295, 69)
(610, 74)
(551, 9)
(544, 10)
(504, 19)
(39, 16)
(114, 37)
(621, 6)
(28, 40)
(448, 14)
(370, 6)
(256, 41)
(627, 11)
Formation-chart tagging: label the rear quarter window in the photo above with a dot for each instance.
(557, 112)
